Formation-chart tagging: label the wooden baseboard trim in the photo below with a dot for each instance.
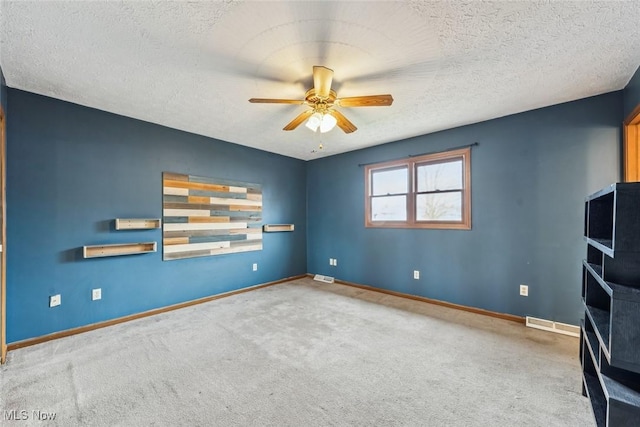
(484, 312)
(69, 332)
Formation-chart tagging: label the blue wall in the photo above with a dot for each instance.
(72, 170)
(632, 94)
(530, 175)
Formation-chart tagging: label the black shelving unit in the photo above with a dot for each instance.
(610, 333)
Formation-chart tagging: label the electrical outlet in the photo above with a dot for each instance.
(55, 300)
(524, 290)
(96, 294)
(255, 266)
(416, 274)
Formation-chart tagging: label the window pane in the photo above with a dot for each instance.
(390, 208)
(440, 176)
(391, 181)
(439, 207)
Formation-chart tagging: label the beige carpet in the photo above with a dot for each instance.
(301, 354)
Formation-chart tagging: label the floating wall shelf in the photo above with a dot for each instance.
(270, 228)
(95, 251)
(137, 223)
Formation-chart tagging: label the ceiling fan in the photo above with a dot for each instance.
(322, 99)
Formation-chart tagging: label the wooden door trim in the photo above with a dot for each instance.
(631, 146)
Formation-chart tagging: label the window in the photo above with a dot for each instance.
(430, 191)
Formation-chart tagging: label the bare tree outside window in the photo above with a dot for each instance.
(442, 207)
(439, 191)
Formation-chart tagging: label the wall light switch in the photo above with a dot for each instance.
(416, 274)
(255, 266)
(55, 300)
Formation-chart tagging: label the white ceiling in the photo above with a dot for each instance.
(193, 65)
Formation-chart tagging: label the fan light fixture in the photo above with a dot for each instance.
(314, 121)
(322, 100)
(325, 122)
(328, 123)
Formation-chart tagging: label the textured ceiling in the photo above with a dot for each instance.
(194, 65)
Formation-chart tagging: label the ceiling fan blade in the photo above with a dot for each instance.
(322, 77)
(342, 122)
(298, 120)
(366, 101)
(276, 101)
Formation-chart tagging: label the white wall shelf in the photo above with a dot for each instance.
(137, 223)
(270, 228)
(96, 251)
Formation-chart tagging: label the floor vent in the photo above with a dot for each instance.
(321, 278)
(557, 327)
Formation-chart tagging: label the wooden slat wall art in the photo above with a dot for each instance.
(206, 216)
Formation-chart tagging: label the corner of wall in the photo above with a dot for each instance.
(97, 168)
(3, 91)
(631, 94)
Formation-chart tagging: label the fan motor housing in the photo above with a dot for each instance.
(314, 99)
